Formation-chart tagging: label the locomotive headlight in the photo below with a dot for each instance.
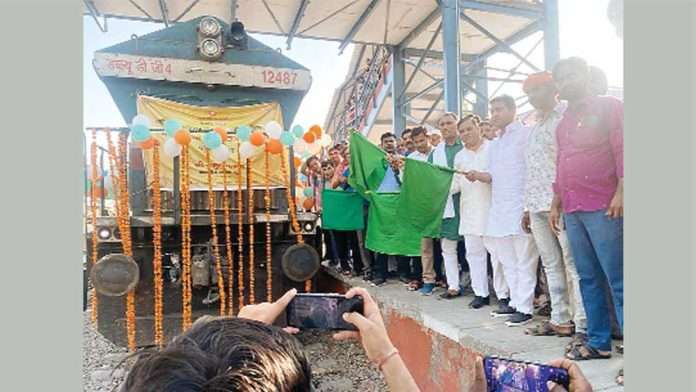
(104, 233)
(210, 49)
(308, 226)
(209, 27)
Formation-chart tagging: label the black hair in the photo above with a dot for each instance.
(312, 158)
(327, 163)
(419, 131)
(473, 117)
(221, 354)
(506, 100)
(407, 130)
(386, 135)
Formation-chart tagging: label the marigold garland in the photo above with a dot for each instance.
(228, 241)
(293, 213)
(93, 210)
(240, 228)
(157, 245)
(250, 190)
(126, 235)
(213, 228)
(269, 254)
(185, 239)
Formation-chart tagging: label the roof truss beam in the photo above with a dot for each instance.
(165, 13)
(436, 54)
(427, 21)
(296, 21)
(186, 11)
(358, 24)
(422, 57)
(501, 9)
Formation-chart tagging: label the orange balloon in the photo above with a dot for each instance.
(98, 192)
(222, 132)
(182, 137)
(297, 161)
(147, 144)
(257, 138)
(308, 203)
(309, 137)
(274, 146)
(316, 130)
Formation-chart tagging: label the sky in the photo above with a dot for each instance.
(585, 31)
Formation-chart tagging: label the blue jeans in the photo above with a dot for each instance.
(596, 242)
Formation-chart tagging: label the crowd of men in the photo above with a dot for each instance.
(535, 210)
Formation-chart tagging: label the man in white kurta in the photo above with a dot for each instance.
(474, 184)
(504, 235)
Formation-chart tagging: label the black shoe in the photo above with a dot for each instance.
(378, 281)
(504, 309)
(479, 302)
(518, 319)
(404, 279)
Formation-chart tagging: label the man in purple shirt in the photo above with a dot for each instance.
(589, 191)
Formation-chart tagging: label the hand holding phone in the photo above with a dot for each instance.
(510, 375)
(322, 311)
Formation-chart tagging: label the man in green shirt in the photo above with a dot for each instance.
(443, 155)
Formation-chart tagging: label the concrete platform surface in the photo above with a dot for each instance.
(478, 331)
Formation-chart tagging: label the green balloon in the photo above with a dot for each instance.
(287, 139)
(243, 132)
(298, 131)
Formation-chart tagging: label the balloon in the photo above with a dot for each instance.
(108, 182)
(287, 138)
(247, 150)
(182, 137)
(326, 140)
(298, 131)
(147, 144)
(315, 148)
(309, 137)
(274, 146)
(171, 148)
(142, 120)
(308, 204)
(171, 126)
(243, 132)
(273, 129)
(221, 153)
(316, 130)
(257, 138)
(300, 146)
(140, 133)
(297, 161)
(302, 177)
(308, 192)
(222, 132)
(306, 155)
(212, 140)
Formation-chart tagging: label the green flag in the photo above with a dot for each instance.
(341, 210)
(367, 164)
(424, 192)
(385, 230)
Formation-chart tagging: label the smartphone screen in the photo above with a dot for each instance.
(322, 311)
(509, 375)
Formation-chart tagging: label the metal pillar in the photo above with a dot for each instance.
(481, 85)
(450, 43)
(398, 71)
(552, 46)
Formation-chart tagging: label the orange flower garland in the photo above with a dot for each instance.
(125, 234)
(213, 228)
(157, 245)
(93, 210)
(185, 240)
(293, 213)
(240, 228)
(252, 293)
(269, 254)
(228, 240)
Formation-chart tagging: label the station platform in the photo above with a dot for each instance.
(439, 339)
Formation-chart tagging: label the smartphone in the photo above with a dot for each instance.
(322, 311)
(510, 375)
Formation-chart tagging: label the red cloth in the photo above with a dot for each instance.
(537, 79)
(589, 161)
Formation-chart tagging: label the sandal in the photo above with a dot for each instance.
(415, 285)
(542, 329)
(578, 339)
(584, 352)
(449, 294)
(620, 348)
(620, 378)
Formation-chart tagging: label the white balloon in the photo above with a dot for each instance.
(247, 150)
(314, 148)
(326, 140)
(141, 119)
(108, 181)
(221, 153)
(171, 148)
(273, 129)
(300, 146)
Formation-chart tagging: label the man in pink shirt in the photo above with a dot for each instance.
(588, 190)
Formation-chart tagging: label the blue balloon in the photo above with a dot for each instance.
(243, 132)
(171, 126)
(308, 192)
(212, 140)
(287, 139)
(140, 133)
(298, 131)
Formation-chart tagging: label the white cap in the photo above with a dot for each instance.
(435, 131)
